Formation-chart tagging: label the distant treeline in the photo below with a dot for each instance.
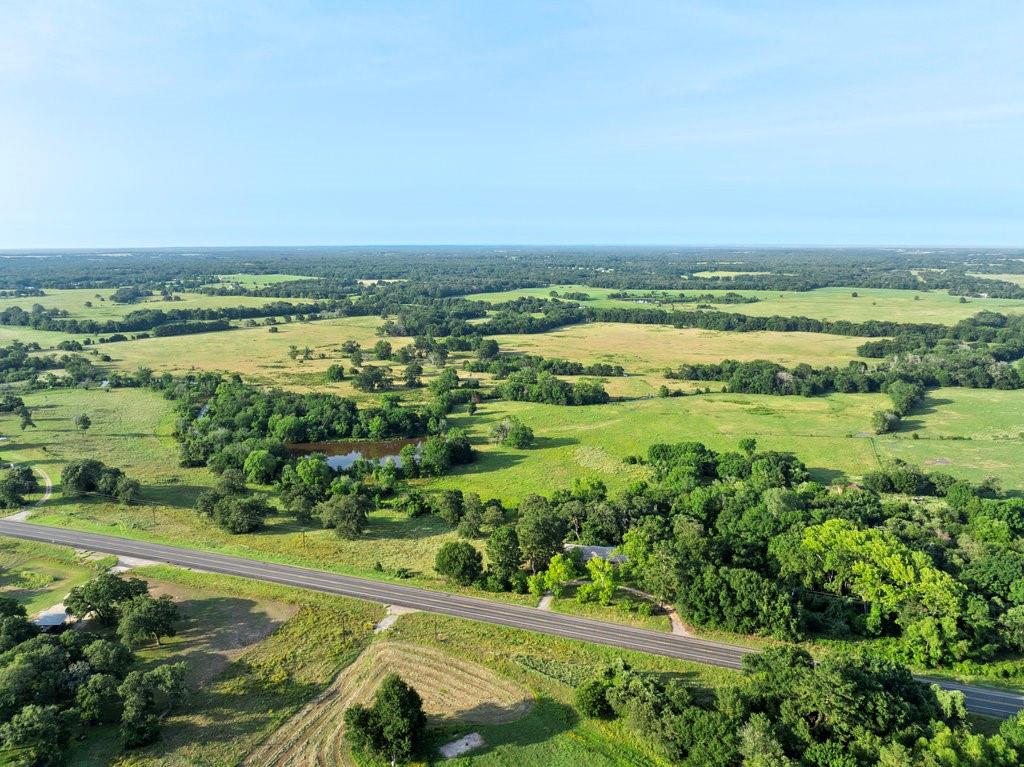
(446, 272)
(140, 320)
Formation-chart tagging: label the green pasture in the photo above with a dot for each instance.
(652, 348)
(823, 303)
(102, 309)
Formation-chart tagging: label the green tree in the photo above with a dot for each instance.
(261, 467)
(147, 694)
(393, 727)
(561, 569)
(459, 562)
(504, 558)
(107, 657)
(41, 732)
(98, 701)
(241, 514)
(885, 421)
(604, 582)
(592, 701)
(346, 513)
(83, 422)
(143, 617)
(102, 595)
(541, 531)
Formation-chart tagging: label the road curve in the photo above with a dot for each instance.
(980, 700)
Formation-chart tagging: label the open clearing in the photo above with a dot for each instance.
(40, 576)
(652, 348)
(256, 353)
(453, 691)
(822, 303)
(215, 629)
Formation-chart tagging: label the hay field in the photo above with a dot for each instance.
(652, 348)
(256, 353)
(453, 691)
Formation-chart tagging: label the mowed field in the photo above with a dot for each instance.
(824, 303)
(652, 348)
(453, 691)
(592, 441)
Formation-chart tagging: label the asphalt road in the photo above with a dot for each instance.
(980, 700)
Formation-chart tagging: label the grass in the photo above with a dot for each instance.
(267, 677)
(256, 353)
(970, 433)
(74, 302)
(1016, 279)
(592, 441)
(552, 733)
(823, 303)
(652, 348)
(131, 429)
(39, 576)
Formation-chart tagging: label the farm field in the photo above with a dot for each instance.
(74, 302)
(652, 348)
(822, 303)
(254, 352)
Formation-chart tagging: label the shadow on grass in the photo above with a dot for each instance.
(412, 528)
(178, 496)
(929, 405)
(825, 476)
(489, 462)
(547, 719)
(541, 443)
(211, 629)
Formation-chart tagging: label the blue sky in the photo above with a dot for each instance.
(216, 123)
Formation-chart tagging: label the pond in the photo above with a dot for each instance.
(344, 453)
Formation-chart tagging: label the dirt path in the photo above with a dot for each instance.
(22, 514)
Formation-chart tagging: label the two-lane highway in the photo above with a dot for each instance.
(980, 700)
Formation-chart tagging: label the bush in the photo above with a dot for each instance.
(592, 701)
(459, 562)
(241, 514)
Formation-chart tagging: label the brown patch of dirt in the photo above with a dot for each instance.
(217, 629)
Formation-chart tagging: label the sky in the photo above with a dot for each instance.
(344, 123)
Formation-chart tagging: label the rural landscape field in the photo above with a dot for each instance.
(787, 467)
(535, 384)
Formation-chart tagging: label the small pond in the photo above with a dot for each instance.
(344, 453)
